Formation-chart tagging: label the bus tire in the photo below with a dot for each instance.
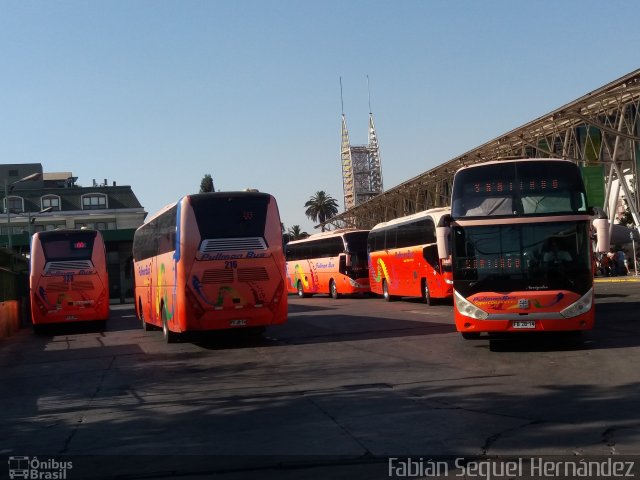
(333, 290)
(385, 292)
(301, 292)
(470, 335)
(145, 326)
(426, 295)
(169, 336)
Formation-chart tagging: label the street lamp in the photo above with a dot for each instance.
(7, 188)
(32, 219)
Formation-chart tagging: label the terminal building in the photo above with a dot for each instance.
(34, 201)
(600, 131)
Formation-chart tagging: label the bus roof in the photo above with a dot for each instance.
(517, 160)
(65, 231)
(332, 233)
(243, 193)
(436, 213)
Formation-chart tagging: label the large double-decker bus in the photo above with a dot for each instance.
(404, 261)
(211, 261)
(68, 277)
(521, 241)
(332, 262)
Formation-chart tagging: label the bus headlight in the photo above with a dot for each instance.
(583, 305)
(467, 308)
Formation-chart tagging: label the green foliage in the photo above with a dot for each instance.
(321, 207)
(206, 185)
(296, 233)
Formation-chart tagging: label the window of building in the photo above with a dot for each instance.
(94, 201)
(51, 201)
(97, 225)
(16, 205)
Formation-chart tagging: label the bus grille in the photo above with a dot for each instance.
(232, 244)
(69, 265)
(57, 287)
(218, 276)
(82, 285)
(252, 274)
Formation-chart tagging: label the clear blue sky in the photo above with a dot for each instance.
(155, 94)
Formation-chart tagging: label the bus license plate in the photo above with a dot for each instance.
(523, 324)
(238, 323)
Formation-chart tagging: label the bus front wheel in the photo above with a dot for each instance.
(385, 291)
(470, 335)
(333, 290)
(145, 326)
(301, 292)
(426, 295)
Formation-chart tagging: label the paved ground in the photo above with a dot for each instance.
(332, 394)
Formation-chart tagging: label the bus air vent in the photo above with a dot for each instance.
(70, 265)
(252, 274)
(220, 275)
(232, 244)
(82, 285)
(57, 287)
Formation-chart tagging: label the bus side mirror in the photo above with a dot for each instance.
(347, 260)
(442, 238)
(602, 234)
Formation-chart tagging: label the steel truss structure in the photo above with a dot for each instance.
(601, 128)
(361, 168)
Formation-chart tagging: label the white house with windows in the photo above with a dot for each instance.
(34, 201)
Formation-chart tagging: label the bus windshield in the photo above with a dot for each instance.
(68, 246)
(357, 248)
(519, 189)
(230, 216)
(542, 256)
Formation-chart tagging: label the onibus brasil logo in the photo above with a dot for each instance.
(33, 468)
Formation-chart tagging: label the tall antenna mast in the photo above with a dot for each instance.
(341, 101)
(346, 161)
(369, 91)
(361, 167)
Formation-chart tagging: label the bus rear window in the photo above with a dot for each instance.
(68, 246)
(229, 216)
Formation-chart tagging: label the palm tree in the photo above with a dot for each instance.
(320, 207)
(296, 233)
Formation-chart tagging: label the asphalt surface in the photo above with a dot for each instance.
(332, 394)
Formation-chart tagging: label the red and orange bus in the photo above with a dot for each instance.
(521, 242)
(68, 277)
(404, 261)
(211, 261)
(333, 263)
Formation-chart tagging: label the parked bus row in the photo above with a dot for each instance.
(515, 251)
(210, 261)
(394, 259)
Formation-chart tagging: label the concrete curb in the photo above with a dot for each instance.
(630, 278)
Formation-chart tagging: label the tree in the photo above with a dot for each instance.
(296, 233)
(206, 185)
(320, 207)
(626, 218)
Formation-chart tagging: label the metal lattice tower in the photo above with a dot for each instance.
(361, 167)
(600, 130)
